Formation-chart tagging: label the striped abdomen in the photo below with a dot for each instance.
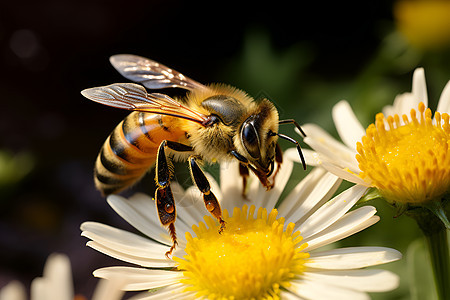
(130, 151)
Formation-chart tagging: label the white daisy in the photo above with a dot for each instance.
(263, 253)
(404, 154)
(56, 284)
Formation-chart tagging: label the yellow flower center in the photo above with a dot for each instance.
(409, 162)
(251, 259)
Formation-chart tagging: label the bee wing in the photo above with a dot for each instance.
(133, 96)
(150, 73)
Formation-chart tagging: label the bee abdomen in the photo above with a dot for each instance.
(131, 149)
(125, 157)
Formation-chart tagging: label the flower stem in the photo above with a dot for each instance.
(433, 222)
(437, 245)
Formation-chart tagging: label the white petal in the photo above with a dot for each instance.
(137, 260)
(322, 291)
(140, 212)
(56, 283)
(444, 100)
(138, 207)
(314, 132)
(287, 295)
(419, 87)
(108, 290)
(311, 157)
(403, 103)
(190, 207)
(344, 173)
(270, 198)
(389, 110)
(193, 213)
(231, 185)
(331, 164)
(352, 258)
(300, 192)
(179, 194)
(347, 125)
(367, 280)
(331, 211)
(229, 175)
(139, 279)
(255, 194)
(170, 292)
(124, 241)
(315, 189)
(143, 205)
(406, 102)
(39, 289)
(13, 291)
(351, 223)
(330, 149)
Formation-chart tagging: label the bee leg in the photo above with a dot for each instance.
(262, 177)
(200, 180)
(278, 160)
(165, 203)
(243, 171)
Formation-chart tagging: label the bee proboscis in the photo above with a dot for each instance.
(212, 123)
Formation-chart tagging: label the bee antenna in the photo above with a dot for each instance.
(299, 149)
(292, 121)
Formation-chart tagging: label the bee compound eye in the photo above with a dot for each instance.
(250, 140)
(169, 208)
(249, 134)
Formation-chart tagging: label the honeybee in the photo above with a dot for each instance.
(212, 123)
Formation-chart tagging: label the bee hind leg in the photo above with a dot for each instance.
(165, 203)
(200, 180)
(165, 206)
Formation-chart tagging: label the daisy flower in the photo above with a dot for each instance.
(263, 253)
(404, 154)
(56, 284)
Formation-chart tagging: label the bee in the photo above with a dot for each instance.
(212, 123)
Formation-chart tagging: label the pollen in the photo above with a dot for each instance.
(251, 259)
(407, 158)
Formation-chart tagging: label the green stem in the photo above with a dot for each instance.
(437, 244)
(433, 222)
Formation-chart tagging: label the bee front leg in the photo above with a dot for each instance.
(165, 203)
(262, 177)
(243, 171)
(278, 160)
(200, 180)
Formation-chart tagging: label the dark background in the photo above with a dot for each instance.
(51, 50)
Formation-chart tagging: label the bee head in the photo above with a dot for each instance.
(257, 138)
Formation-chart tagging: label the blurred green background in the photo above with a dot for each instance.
(304, 59)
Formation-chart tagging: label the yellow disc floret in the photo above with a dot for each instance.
(407, 161)
(251, 259)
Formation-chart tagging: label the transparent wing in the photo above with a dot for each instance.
(134, 97)
(150, 73)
